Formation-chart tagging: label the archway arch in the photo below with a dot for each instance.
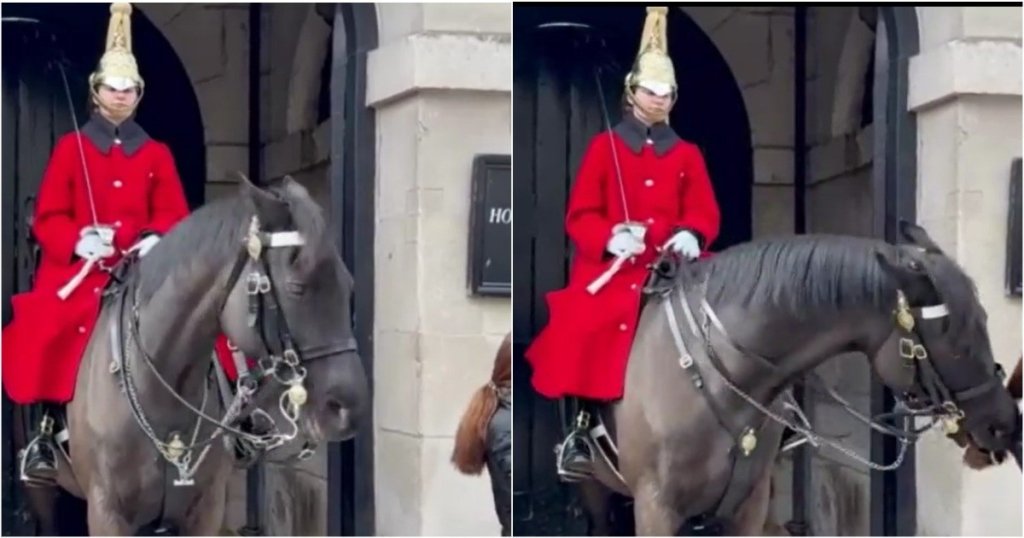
(169, 110)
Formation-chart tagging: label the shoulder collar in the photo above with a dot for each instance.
(104, 135)
(635, 134)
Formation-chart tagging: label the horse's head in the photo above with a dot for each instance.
(291, 306)
(946, 363)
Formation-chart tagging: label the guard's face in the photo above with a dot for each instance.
(652, 107)
(117, 105)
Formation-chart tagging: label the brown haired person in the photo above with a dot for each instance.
(484, 436)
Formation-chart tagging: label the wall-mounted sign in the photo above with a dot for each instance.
(490, 227)
(1013, 233)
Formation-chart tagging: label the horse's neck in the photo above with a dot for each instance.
(178, 327)
(796, 346)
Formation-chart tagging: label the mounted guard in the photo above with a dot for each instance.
(109, 191)
(640, 189)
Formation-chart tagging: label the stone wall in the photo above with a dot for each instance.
(440, 82)
(965, 88)
(757, 43)
(212, 41)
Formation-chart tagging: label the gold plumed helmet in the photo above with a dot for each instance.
(118, 68)
(653, 67)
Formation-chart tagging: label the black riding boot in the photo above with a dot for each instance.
(39, 458)
(575, 461)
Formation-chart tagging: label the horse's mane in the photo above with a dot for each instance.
(801, 275)
(804, 275)
(213, 235)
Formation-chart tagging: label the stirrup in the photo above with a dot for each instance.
(31, 480)
(564, 472)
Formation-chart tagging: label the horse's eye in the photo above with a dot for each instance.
(915, 265)
(296, 288)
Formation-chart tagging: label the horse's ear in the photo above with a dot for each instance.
(268, 205)
(918, 236)
(244, 180)
(293, 187)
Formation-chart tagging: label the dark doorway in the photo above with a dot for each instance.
(36, 111)
(557, 110)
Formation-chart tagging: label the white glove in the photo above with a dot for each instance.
(686, 244)
(145, 244)
(95, 243)
(624, 243)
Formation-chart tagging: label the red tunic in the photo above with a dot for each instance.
(584, 348)
(136, 188)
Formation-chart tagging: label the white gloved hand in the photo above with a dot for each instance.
(95, 243)
(686, 244)
(145, 244)
(624, 243)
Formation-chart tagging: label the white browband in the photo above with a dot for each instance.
(934, 312)
(286, 239)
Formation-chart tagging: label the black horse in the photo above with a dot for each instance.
(699, 427)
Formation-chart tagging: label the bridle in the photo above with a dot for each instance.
(941, 401)
(280, 363)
